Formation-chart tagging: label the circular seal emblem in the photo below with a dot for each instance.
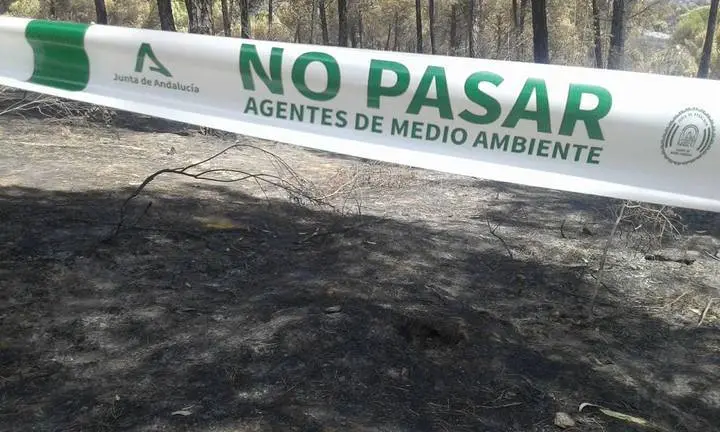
(688, 136)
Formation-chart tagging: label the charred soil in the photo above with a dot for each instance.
(419, 302)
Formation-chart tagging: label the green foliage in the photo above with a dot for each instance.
(690, 34)
(691, 28)
(28, 8)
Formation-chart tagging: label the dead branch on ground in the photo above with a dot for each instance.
(705, 311)
(655, 222)
(603, 260)
(51, 108)
(493, 231)
(300, 190)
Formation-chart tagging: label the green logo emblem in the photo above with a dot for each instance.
(146, 51)
(688, 136)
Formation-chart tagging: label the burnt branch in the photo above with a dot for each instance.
(298, 188)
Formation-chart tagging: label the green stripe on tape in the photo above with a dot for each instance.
(60, 57)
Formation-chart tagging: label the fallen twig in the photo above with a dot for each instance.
(638, 421)
(493, 232)
(296, 186)
(507, 405)
(712, 256)
(663, 258)
(705, 311)
(677, 299)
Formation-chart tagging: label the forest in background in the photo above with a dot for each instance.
(658, 36)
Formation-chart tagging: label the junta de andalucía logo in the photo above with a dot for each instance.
(688, 137)
(147, 62)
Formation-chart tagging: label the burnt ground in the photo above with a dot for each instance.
(418, 301)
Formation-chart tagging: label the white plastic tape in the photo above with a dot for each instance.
(618, 134)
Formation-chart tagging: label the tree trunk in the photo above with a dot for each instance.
(471, 28)
(227, 23)
(167, 22)
(431, 13)
(522, 46)
(199, 14)
(311, 38)
(516, 31)
(323, 23)
(52, 12)
(540, 32)
(245, 30)
(418, 26)
(396, 24)
(704, 69)
(100, 12)
(617, 36)
(192, 12)
(353, 35)
(498, 41)
(270, 13)
(518, 16)
(597, 35)
(453, 30)
(342, 23)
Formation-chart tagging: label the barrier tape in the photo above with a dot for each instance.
(617, 134)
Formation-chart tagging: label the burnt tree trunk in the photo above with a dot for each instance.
(323, 23)
(540, 32)
(311, 38)
(100, 12)
(597, 35)
(518, 15)
(431, 16)
(396, 24)
(227, 23)
(342, 23)
(418, 26)
(453, 31)
(353, 35)
(471, 28)
(499, 35)
(245, 30)
(704, 69)
(199, 14)
(617, 36)
(167, 22)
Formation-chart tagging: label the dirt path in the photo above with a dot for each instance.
(421, 302)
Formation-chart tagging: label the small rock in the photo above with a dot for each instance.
(333, 309)
(564, 421)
